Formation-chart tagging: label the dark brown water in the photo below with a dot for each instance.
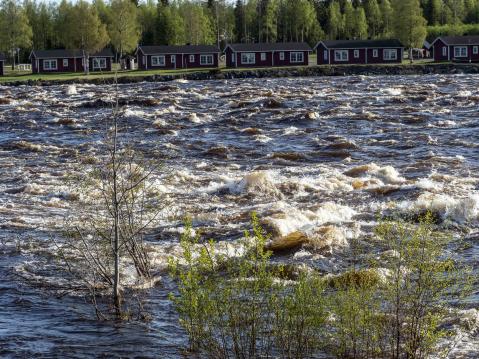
(303, 153)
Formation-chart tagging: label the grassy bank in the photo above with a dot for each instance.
(15, 77)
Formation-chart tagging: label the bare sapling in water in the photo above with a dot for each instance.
(116, 206)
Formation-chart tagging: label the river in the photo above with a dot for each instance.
(304, 153)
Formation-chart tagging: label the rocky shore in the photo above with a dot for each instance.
(311, 71)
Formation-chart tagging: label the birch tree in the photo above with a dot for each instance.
(123, 28)
(16, 31)
(409, 24)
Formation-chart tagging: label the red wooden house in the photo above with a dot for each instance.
(456, 48)
(337, 52)
(267, 54)
(44, 61)
(177, 57)
(2, 63)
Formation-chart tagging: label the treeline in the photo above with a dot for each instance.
(124, 24)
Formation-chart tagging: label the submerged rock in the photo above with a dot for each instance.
(288, 242)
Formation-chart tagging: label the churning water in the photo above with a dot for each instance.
(307, 154)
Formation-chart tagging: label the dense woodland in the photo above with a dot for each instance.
(123, 24)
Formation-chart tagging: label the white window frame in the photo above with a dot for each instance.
(475, 50)
(99, 63)
(325, 55)
(192, 58)
(341, 55)
(281, 55)
(296, 57)
(158, 61)
(233, 57)
(248, 58)
(50, 62)
(460, 51)
(444, 51)
(390, 54)
(375, 53)
(65, 62)
(263, 56)
(173, 59)
(356, 54)
(206, 60)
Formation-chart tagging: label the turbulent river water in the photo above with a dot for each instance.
(304, 153)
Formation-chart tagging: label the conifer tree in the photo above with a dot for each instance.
(373, 15)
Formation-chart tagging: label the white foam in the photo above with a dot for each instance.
(71, 90)
(460, 210)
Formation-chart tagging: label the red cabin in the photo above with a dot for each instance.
(45, 61)
(456, 48)
(2, 63)
(177, 57)
(267, 54)
(338, 52)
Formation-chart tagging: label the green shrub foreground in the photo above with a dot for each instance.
(240, 305)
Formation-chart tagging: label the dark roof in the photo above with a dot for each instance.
(459, 40)
(182, 49)
(59, 53)
(360, 44)
(266, 46)
(2, 57)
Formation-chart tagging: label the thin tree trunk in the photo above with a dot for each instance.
(116, 240)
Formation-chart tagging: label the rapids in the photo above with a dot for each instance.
(317, 156)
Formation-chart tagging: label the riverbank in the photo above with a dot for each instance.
(223, 74)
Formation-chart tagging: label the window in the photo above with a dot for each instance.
(281, 56)
(206, 60)
(356, 54)
(475, 50)
(192, 58)
(460, 51)
(99, 63)
(375, 53)
(444, 51)
(341, 55)
(158, 61)
(49, 64)
(233, 57)
(173, 59)
(296, 57)
(390, 54)
(65, 62)
(263, 56)
(325, 55)
(247, 58)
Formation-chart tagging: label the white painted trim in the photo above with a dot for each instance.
(459, 47)
(50, 61)
(390, 58)
(341, 51)
(296, 53)
(248, 53)
(159, 64)
(207, 62)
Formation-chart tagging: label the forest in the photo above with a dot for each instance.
(123, 24)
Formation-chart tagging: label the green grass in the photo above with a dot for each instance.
(14, 76)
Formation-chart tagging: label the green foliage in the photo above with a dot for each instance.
(170, 28)
(15, 29)
(410, 26)
(236, 305)
(123, 27)
(81, 28)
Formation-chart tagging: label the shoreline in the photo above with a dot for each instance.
(244, 73)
